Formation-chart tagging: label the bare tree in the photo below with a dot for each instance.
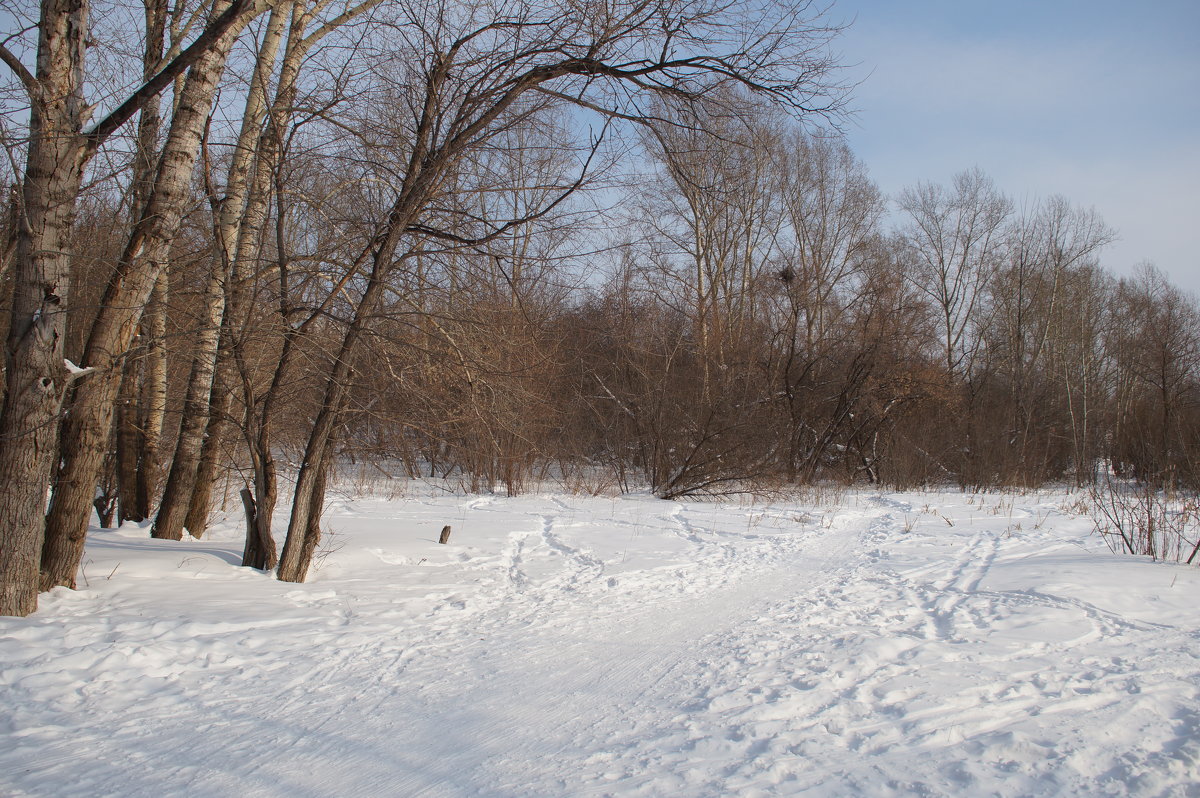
(826, 244)
(240, 216)
(1157, 352)
(955, 241)
(709, 219)
(230, 211)
(141, 408)
(1079, 363)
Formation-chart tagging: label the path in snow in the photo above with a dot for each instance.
(575, 646)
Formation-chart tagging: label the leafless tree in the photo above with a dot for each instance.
(241, 212)
(954, 242)
(708, 219)
(1157, 393)
(954, 237)
(89, 423)
(1028, 301)
(826, 246)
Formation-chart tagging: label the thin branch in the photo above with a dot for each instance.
(238, 13)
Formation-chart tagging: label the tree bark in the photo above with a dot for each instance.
(36, 377)
(259, 420)
(215, 437)
(182, 477)
(154, 397)
(129, 444)
(142, 404)
(259, 551)
(304, 528)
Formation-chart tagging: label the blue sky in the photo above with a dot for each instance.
(1098, 101)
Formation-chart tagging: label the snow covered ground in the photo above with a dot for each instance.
(866, 644)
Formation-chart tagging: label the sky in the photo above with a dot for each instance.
(1098, 101)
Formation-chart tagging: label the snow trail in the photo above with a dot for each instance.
(629, 647)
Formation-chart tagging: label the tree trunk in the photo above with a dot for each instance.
(154, 397)
(308, 497)
(307, 500)
(258, 439)
(304, 529)
(266, 491)
(132, 416)
(182, 478)
(107, 492)
(260, 550)
(220, 403)
(129, 444)
(36, 377)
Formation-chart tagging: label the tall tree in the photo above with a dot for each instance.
(241, 213)
(1027, 300)
(953, 240)
(828, 239)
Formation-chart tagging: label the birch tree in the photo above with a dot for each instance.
(1027, 302)
(711, 220)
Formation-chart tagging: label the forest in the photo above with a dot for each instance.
(617, 244)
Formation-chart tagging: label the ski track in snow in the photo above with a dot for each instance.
(565, 646)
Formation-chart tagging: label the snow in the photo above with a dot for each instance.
(853, 644)
(74, 370)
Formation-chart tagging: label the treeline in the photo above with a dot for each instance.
(760, 324)
(591, 242)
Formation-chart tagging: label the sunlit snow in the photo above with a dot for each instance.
(855, 643)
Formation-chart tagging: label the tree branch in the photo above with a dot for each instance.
(239, 12)
(32, 87)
